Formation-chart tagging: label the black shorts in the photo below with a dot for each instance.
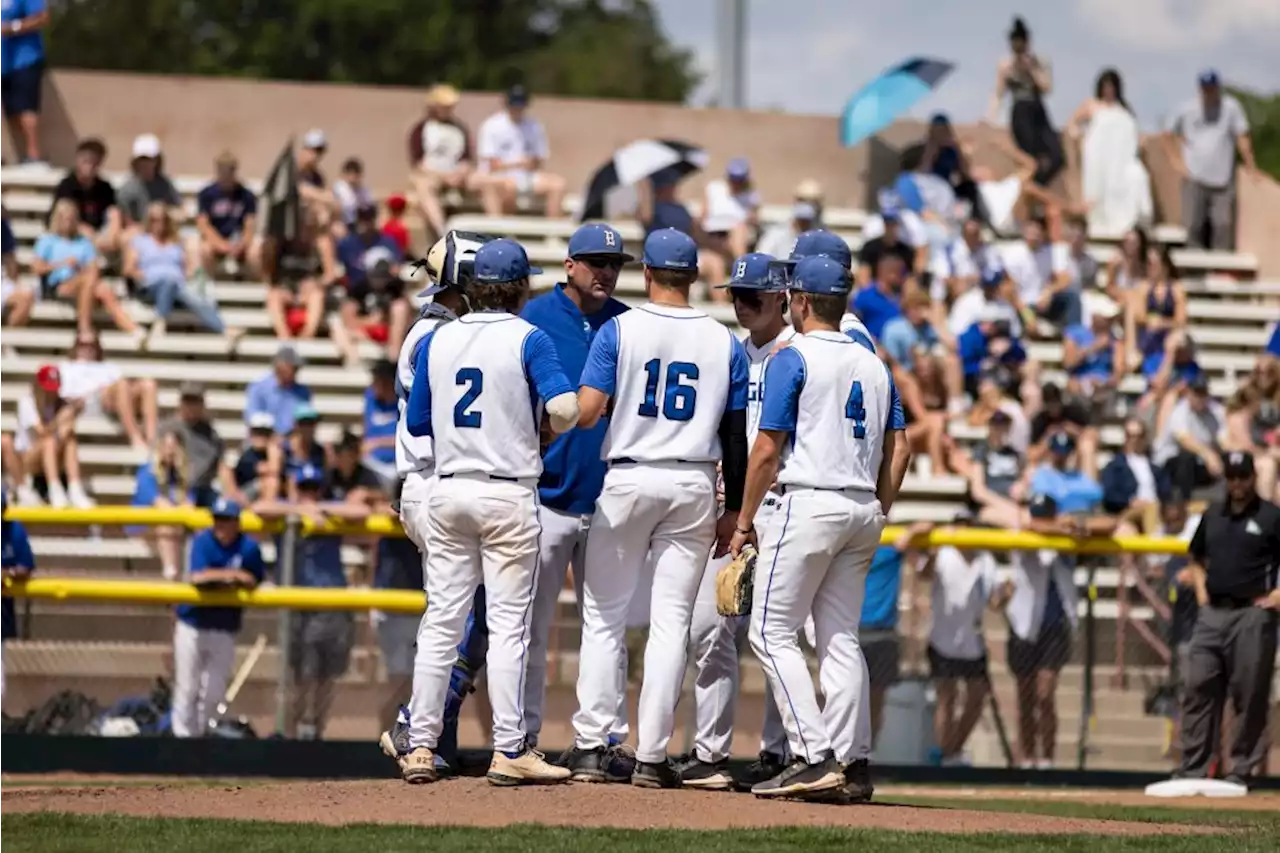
(1049, 651)
(881, 649)
(20, 89)
(320, 645)
(942, 667)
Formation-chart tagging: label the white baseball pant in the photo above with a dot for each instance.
(814, 558)
(652, 519)
(486, 531)
(716, 640)
(413, 515)
(202, 663)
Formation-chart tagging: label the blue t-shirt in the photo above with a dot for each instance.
(974, 353)
(267, 395)
(227, 208)
(670, 214)
(26, 49)
(380, 418)
(876, 309)
(1096, 365)
(54, 249)
(147, 487)
(880, 602)
(208, 553)
(572, 468)
(1073, 491)
(17, 554)
(357, 253)
(900, 339)
(1273, 345)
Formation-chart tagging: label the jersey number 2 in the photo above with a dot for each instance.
(678, 399)
(854, 411)
(462, 414)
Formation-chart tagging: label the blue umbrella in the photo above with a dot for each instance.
(888, 96)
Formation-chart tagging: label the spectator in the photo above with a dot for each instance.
(163, 481)
(947, 159)
(1075, 491)
(94, 197)
(964, 586)
(1253, 423)
(1127, 269)
(148, 183)
(931, 202)
(320, 204)
(1081, 267)
(399, 567)
(301, 447)
(888, 243)
(1040, 277)
(45, 442)
(1059, 413)
(349, 480)
(441, 157)
(916, 353)
(986, 345)
(381, 412)
(257, 473)
(1159, 306)
(16, 300)
(659, 206)
(1028, 80)
(1202, 140)
(994, 471)
(1115, 184)
(780, 237)
(23, 72)
(201, 444)
(204, 638)
(988, 299)
(103, 388)
(279, 393)
(880, 300)
(513, 152)
(375, 305)
(967, 261)
(16, 563)
(730, 222)
(810, 191)
(156, 260)
(227, 220)
(1189, 447)
(394, 226)
(1132, 484)
(351, 192)
(1094, 354)
(1178, 367)
(298, 272)
(67, 265)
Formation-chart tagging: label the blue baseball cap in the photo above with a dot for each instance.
(821, 242)
(225, 508)
(1043, 506)
(1061, 444)
(502, 261)
(890, 214)
(820, 275)
(669, 249)
(752, 271)
(308, 473)
(600, 239)
(1209, 77)
(992, 277)
(739, 169)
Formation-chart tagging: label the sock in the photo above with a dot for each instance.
(514, 755)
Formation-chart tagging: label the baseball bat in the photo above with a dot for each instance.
(251, 659)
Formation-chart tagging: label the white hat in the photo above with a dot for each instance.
(1099, 305)
(262, 420)
(146, 145)
(315, 139)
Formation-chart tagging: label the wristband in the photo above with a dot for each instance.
(745, 532)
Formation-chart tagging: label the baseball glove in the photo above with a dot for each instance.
(735, 583)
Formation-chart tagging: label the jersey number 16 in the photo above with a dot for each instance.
(678, 399)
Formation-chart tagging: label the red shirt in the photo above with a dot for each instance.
(394, 228)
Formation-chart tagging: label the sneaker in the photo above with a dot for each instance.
(419, 767)
(530, 767)
(662, 774)
(28, 496)
(586, 765)
(706, 775)
(78, 496)
(764, 768)
(58, 496)
(800, 778)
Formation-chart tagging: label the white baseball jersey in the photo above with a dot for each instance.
(757, 357)
(851, 324)
(672, 373)
(477, 389)
(414, 453)
(837, 399)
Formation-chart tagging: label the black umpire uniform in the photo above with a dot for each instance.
(1233, 644)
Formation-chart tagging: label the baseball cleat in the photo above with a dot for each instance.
(662, 774)
(705, 775)
(528, 768)
(764, 768)
(619, 763)
(600, 764)
(419, 767)
(857, 782)
(801, 778)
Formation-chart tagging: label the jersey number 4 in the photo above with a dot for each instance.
(678, 399)
(854, 411)
(463, 416)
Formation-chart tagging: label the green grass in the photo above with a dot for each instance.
(63, 833)
(1263, 821)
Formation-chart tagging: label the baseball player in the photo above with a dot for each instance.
(677, 381)
(480, 379)
(204, 638)
(760, 306)
(828, 423)
(820, 242)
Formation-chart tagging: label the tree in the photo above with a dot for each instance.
(567, 47)
(1263, 112)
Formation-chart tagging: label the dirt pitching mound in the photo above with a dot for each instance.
(473, 802)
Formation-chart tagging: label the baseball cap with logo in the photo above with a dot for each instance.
(1238, 465)
(669, 249)
(1061, 444)
(822, 242)
(502, 261)
(225, 508)
(49, 378)
(308, 475)
(752, 271)
(820, 275)
(599, 239)
(1043, 506)
(1209, 77)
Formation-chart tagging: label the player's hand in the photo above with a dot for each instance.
(1270, 601)
(726, 526)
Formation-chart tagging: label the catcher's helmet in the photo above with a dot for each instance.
(452, 260)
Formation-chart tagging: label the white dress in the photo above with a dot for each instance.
(1116, 186)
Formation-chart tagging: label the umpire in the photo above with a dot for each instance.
(1235, 553)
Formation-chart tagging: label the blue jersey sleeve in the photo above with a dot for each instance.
(417, 413)
(542, 366)
(601, 372)
(783, 380)
(23, 556)
(897, 421)
(739, 376)
(860, 337)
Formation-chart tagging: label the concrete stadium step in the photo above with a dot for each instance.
(233, 432)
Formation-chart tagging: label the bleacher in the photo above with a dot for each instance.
(1230, 313)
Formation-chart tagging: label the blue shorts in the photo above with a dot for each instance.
(21, 89)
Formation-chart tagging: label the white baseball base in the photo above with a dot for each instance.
(1195, 788)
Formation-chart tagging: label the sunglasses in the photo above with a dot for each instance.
(747, 296)
(601, 263)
